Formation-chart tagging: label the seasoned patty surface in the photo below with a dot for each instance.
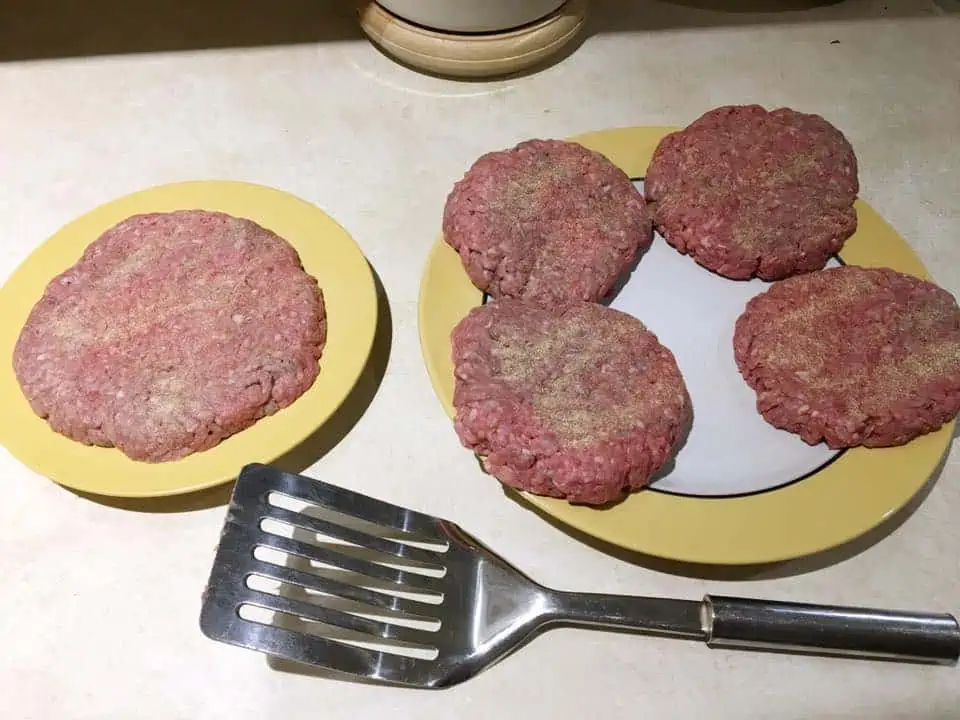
(575, 401)
(852, 356)
(172, 332)
(548, 220)
(747, 192)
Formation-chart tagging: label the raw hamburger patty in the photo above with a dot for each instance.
(852, 356)
(546, 219)
(172, 332)
(575, 401)
(747, 192)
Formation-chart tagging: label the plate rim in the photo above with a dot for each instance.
(276, 434)
(851, 496)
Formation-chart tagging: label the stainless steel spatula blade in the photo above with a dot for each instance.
(321, 575)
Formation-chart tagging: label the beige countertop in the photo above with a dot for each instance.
(99, 602)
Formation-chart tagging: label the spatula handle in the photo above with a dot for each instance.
(826, 629)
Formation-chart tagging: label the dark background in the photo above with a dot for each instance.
(46, 29)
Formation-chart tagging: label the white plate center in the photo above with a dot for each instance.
(731, 449)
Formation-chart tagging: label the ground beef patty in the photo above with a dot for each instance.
(852, 356)
(747, 192)
(172, 332)
(575, 401)
(546, 219)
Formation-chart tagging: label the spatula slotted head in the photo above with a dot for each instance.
(318, 575)
(321, 575)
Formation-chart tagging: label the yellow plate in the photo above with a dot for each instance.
(841, 501)
(327, 252)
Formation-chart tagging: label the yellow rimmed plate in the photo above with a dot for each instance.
(842, 495)
(327, 252)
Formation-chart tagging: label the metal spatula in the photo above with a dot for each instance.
(321, 575)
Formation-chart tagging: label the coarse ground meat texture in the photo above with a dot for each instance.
(172, 332)
(746, 192)
(852, 356)
(575, 401)
(548, 220)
